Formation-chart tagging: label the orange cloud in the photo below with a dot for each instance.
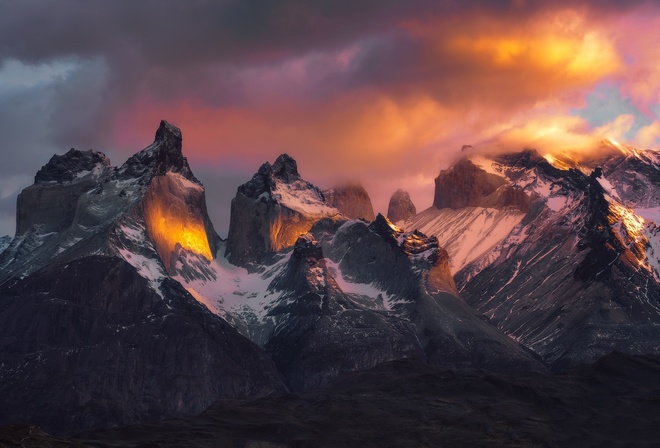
(497, 83)
(349, 135)
(514, 62)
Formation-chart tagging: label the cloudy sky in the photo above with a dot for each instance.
(382, 91)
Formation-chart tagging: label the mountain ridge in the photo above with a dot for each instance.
(523, 263)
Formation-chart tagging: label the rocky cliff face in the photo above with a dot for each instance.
(271, 211)
(573, 280)
(50, 203)
(89, 344)
(152, 201)
(351, 295)
(95, 330)
(400, 207)
(467, 185)
(322, 333)
(352, 200)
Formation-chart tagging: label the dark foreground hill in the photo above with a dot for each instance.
(614, 402)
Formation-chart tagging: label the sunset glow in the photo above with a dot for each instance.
(380, 94)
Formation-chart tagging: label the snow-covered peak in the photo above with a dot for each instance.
(281, 183)
(302, 197)
(487, 164)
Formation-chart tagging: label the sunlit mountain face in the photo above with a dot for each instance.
(371, 206)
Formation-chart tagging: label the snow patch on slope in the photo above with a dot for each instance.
(183, 182)
(488, 165)
(609, 188)
(468, 233)
(235, 291)
(651, 217)
(300, 197)
(147, 267)
(376, 297)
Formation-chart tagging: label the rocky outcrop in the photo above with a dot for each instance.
(50, 203)
(581, 284)
(398, 262)
(95, 332)
(467, 185)
(400, 207)
(413, 272)
(354, 294)
(322, 332)
(72, 165)
(271, 211)
(352, 200)
(90, 344)
(464, 185)
(65, 217)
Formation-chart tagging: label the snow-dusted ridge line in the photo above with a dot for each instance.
(299, 197)
(468, 233)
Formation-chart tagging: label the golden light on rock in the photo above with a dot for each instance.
(632, 223)
(172, 210)
(630, 228)
(559, 163)
(284, 233)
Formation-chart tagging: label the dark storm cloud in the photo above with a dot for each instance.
(202, 47)
(174, 33)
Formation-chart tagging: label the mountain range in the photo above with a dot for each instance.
(120, 304)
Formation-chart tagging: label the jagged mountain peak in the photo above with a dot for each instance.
(167, 131)
(470, 183)
(285, 168)
(423, 251)
(291, 204)
(72, 165)
(385, 228)
(163, 155)
(581, 253)
(268, 177)
(152, 201)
